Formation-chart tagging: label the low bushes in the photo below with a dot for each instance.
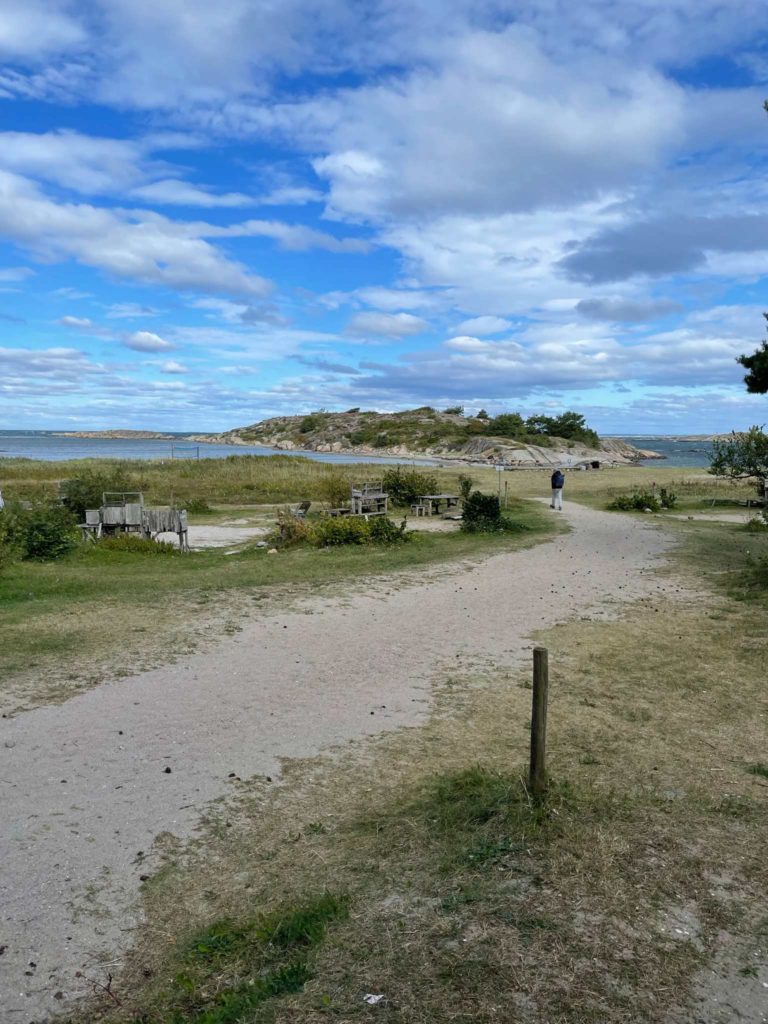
(642, 501)
(42, 531)
(404, 485)
(336, 532)
(481, 513)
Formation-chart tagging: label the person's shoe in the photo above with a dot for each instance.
(551, 506)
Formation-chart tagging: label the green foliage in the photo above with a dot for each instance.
(569, 425)
(198, 507)
(482, 415)
(466, 484)
(341, 530)
(44, 531)
(667, 498)
(404, 485)
(759, 768)
(335, 488)
(135, 545)
(87, 488)
(742, 454)
(454, 410)
(481, 513)
(756, 378)
(637, 501)
(508, 424)
(315, 421)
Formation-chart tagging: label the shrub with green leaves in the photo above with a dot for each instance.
(481, 513)
(637, 501)
(404, 485)
(356, 530)
(43, 531)
(198, 507)
(86, 490)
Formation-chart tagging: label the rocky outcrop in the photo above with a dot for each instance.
(419, 434)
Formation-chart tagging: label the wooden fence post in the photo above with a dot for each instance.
(538, 773)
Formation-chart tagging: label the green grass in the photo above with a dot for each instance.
(230, 970)
(72, 617)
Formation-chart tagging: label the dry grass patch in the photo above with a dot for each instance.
(469, 902)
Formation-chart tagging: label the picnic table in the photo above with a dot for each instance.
(432, 502)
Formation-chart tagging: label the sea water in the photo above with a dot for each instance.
(50, 447)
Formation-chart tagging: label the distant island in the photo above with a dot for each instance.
(507, 439)
(120, 435)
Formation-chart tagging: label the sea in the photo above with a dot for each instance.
(677, 451)
(52, 447)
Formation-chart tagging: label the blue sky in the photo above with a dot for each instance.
(213, 214)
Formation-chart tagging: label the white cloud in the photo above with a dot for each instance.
(139, 246)
(293, 237)
(393, 325)
(484, 325)
(171, 366)
(36, 28)
(12, 274)
(146, 341)
(78, 322)
(172, 192)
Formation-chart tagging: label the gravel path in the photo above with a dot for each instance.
(87, 785)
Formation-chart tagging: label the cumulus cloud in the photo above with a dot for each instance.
(392, 325)
(672, 245)
(171, 366)
(146, 341)
(147, 248)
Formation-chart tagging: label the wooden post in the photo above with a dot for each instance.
(538, 772)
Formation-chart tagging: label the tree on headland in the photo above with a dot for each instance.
(757, 365)
(742, 455)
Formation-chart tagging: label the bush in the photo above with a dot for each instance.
(637, 501)
(199, 506)
(667, 498)
(356, 530)
(334, 488)
(404, 485)
(465, 486)
(339, 531)
(454, 410)
(136, 545)
(481, 512)
(87, 489)
(45, 530)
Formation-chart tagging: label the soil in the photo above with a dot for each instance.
(88, 786)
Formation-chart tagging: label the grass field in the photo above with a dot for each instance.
(417, 868)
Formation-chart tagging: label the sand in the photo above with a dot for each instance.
(85, 785)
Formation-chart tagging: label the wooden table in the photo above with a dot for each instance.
(432, 502)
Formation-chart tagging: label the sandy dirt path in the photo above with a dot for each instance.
(86, 785)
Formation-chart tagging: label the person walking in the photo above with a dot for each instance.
(558, 482)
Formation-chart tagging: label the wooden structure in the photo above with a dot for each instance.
(125, 512)
(369, 500)
(299, 511)
(433, 502)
